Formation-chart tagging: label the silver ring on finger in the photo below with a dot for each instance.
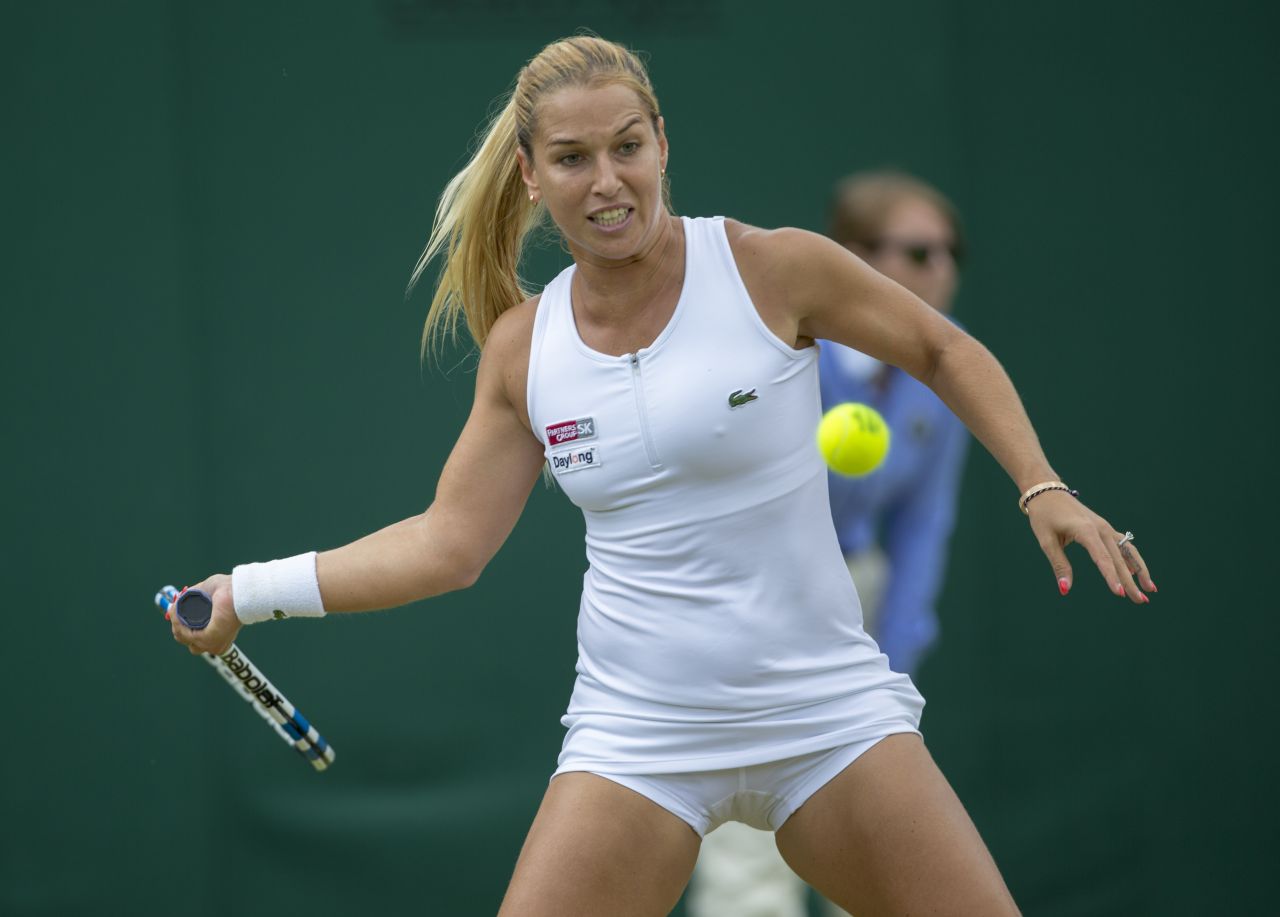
(1124, 539)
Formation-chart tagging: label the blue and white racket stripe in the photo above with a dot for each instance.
(238, 671)
(267, 715)
(299, 721)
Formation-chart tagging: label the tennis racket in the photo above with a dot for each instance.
(194, 608)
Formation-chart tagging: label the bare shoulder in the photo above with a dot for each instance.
(785, 262)
(504, 359)
(781, 269)
(777, 248)
(513, 331)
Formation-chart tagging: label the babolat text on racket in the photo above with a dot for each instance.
(194, 608)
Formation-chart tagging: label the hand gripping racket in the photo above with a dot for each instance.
(194, 608)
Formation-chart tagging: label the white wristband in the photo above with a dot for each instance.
(278, 589)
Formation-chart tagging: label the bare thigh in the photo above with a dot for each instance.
(889, 836)
(597, 848)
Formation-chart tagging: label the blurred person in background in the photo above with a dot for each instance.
(893, 524)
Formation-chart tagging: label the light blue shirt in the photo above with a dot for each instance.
(907, 504)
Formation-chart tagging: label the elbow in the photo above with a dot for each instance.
(453, 573)
(465, 577)
(460, 570)
(447, 565)
(944, 354)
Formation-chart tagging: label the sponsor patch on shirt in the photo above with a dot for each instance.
(575, 459)
(569, 430)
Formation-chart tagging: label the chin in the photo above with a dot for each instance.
(621, 242)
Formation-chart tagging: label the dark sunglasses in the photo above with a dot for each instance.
(919, 253)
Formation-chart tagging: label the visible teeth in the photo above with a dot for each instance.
(611, 217)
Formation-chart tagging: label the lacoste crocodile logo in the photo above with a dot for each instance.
(739, 398)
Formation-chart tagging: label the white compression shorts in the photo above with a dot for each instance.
(763, 796)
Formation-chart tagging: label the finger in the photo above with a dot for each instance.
(1100, 551)
(1058, 560)
(181, 632)
(1137, 566)
(1135, 595)
(171, 615)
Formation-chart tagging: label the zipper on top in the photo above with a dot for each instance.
(637, 386)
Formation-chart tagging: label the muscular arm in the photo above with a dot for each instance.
(808, 287)
(482, 490)
(815, 288)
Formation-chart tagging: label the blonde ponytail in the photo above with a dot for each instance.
(484, 215)
(481, 224)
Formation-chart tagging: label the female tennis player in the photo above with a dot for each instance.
(668, 381)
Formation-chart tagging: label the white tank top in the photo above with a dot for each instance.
(718, 625)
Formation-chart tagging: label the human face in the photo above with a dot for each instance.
(915, 249)
(597, 164)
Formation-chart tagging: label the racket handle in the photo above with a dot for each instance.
(194, 608)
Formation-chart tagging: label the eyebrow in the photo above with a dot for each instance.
(622, 130)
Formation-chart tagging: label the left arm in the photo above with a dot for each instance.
(813, 288)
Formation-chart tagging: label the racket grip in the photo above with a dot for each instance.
(194, 608)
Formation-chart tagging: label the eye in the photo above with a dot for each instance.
(570, 159)
(629, 147)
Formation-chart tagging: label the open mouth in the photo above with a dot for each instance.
(615, 216)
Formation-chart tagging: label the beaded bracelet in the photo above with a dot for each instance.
(1038, 489)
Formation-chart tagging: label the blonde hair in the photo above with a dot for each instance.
(862, 202)
(484, 216)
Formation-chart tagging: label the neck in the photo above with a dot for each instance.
(609, 290)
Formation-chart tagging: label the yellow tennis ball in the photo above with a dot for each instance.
(853, 439)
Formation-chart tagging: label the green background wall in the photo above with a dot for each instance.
(210, 212)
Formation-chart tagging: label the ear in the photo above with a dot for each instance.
(527, 174)
(662, 143)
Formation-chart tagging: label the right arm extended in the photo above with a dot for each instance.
(482, 490)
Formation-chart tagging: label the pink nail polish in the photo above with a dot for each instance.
(1145, 600)
(1064, 585)
(1154, 587)
(1117, 589)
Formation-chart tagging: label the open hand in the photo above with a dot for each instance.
(1058, 519)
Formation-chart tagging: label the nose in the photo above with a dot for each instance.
(605, 182)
